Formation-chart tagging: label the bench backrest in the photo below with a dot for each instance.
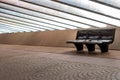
(97, 34)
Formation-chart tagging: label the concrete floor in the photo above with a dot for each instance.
(19, 62)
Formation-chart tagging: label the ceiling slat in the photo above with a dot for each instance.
(48, 4)
(42, 15)
(52, 13)
(92, 7)
(111, 3)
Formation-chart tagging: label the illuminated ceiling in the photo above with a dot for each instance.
(42, 15)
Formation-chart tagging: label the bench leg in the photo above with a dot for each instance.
(103, 47)
(79, 46)
(91, 47)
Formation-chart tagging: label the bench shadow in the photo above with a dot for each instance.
(87, 54)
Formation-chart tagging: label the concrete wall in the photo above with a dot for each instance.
(49, 38)
(116, 43)
(45, 38)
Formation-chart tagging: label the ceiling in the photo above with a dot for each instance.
(42, 15)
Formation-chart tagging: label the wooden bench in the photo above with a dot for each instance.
(101, 37)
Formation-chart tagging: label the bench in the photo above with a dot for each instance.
(101, 37)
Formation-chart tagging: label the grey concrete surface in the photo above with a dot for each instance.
(24, 64)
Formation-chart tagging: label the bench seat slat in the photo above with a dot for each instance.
(89, 41)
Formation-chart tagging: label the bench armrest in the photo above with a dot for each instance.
(75, 41)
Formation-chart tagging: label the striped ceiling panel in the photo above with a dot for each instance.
(42, 15)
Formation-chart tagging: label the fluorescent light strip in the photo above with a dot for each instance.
(6, 31)
(47, 26)
(111, 3)
(6, 28)
(45, 20)
(50, 12)
(35, 18)
(93, 6)
(26, 23)
(18, 22)
(10, 27)
(53, 20)
(2, 31)
(75, 11)
(37, 22)
(18, 26)
(23, 27)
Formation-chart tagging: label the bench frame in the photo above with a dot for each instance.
(101, 37)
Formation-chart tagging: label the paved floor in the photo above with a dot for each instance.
(23, 63)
